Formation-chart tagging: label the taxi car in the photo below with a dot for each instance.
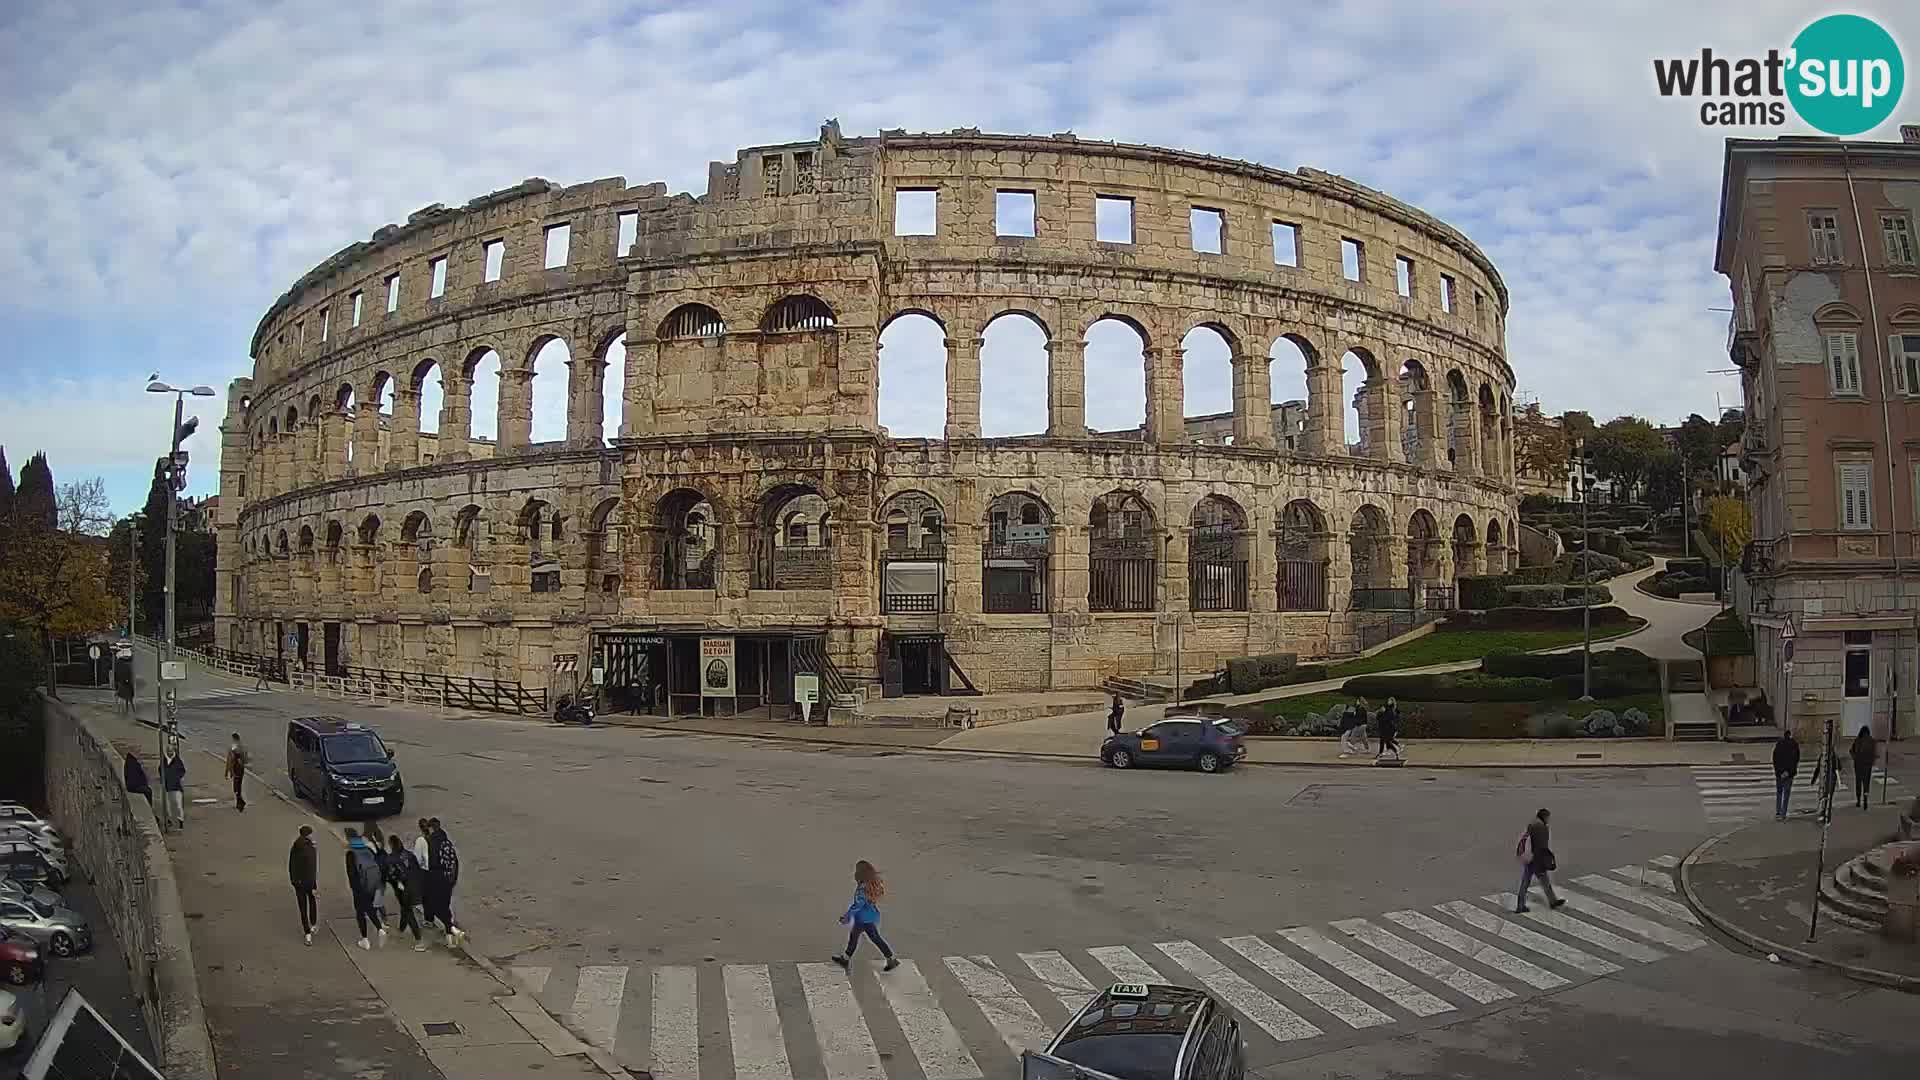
(1207, 743)
(1143, 1031)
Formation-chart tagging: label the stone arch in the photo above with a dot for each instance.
(482, 374)
(613, 387)
(423, 581)
(1290, 391)
(606, 540)
(1368, 538)
(306, 539)
(1466, 547)
(1016, 552)
(1424, 551)
(1418, 418)
(1123, 553)
(280, 543)
(549, 403)
(468, 531)
(689, 321)
(1490, 453)
(1207, 380)
(797, 313)
(1496, 547)
(344, 400)
(913, 556)
(1219, 547)
(687, 529)
(417, 529)
(1014, 354)
(1363, 402)
(1116, 375)
(914, 309)
(1459, 419)
(336, 535)
(793, 540)
(369, 531)
(912, 370)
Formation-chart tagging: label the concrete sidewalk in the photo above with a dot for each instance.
(1756, 884)
(277, 1008)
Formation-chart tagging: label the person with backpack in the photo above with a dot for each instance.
(364, 882)
(1390, 730)
(863, 915)
(303, 873)
(1864, 752)
(237, 771)
(403, 876)
(1114, 714)
(443, 873)
(1535, 853)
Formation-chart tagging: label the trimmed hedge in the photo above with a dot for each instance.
(1534, 595)
(1462, 686)
(1250, 673)
(1598, 594)
(1520, 618)
(1550, 574)
(1481, 591)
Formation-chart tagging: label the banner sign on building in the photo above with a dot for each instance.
(716, 667)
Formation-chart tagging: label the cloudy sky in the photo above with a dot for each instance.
(167, 168)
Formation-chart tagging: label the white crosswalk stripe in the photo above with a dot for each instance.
(1668, 861)
(1733, 793)
(964, 1017)
(213, 693)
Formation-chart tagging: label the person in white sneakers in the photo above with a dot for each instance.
(303, 871)
(364, 881)
(403, 877)
(443, 873)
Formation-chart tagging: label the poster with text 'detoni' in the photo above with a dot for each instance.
(716, 667)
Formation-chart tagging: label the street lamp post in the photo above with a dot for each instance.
(173, 473)
(1583, 487)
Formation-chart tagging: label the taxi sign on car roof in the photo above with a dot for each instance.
(1129, 991)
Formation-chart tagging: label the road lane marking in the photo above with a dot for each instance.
(1668, 861)
(596, 1003)
(1474, 949)
(1366, 972)
(1673, 909)
(1061, 977)
(531, 979)
(759, 1045)
(1446, 972)
(1274, 1018)
(1559, 920)
(1306, 982)
(936, 1045)
(1481, 919)
(676, 1023)
(1126, 965)
(1641, 876)
(1631, 923)
(846, 1046)
(1019, 1026)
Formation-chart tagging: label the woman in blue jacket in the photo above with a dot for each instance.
(863, 915)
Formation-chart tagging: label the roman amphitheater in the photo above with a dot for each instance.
(745, 502)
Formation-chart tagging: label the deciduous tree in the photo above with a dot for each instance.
(53, 578)
(1729, 525)
(1540, 446)
(1624, 451)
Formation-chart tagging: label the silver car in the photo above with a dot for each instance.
(60, 931)
(22, 890)
(15, 841)
(14, 814)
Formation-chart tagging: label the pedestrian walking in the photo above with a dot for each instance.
(136, 775)
(1865, 752)
(303, 873)
(403, 877)
(443, 873)
(1114, 714)
(1786, 765)
(1536, 861)
(422, 855)
(1353, 731)
(173, 779)
(863, 915)
(237, 772)
(377, 840)
(363, 880)
(1390, 730)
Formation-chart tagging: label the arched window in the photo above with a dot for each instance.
(689, 555)
(606, 537)
(793, 543)
(613, 388)
(548, 402)
(1217, 549)
(1013, 375)
(335, 537)
(417, 530)
(1123, 554)
(1116, 377)
(692, 321)
(797, 313)
(913, 377)
(1207, 385)
(1016, 554)
(1367, 537)
(1466, 548)
(369, 530)
(1304, 556)
(913, 564)
(424, 580)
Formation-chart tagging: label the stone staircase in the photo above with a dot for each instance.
(1856, 892)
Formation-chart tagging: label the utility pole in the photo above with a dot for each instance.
(171, 475)
(133, 563)
(1686, 527)
(1585, 492)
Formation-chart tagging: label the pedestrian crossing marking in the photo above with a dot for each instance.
(1633, 924)
(1655, 878)
(596, 1003)
(1019, 1026)
(846, 1046)
(759, 1044)
(1474, 949)
(1672, 909)
(531, 979)
(1445, 972)
(1730, 793)
(1308, 983)
(1482, 919)
(214, 692)
(1126, 965)
(676, 1023)
(1274, 1018)
(1367, 973)
(1061, 977)
(935, 1044)
(1572, 927)
(1668, 861)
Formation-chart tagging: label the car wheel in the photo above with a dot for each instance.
(1120, 759)
(330, 803)
(1209, 762)
(18, 975)
(60, 943)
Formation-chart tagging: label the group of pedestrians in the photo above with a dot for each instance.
(1353, 729)
(173, 780)
(1865, 752)
(420, 878)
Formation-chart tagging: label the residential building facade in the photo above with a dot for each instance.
(1816, 238)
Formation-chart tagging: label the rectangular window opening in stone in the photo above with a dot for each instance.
(495, 252)
(1353, 259)
(438, 287)
(356, 308)
(300, 331)
(1113, 219)
(1856, 491)
(770, 170)
(1207, 228)
(1286, 244)
(326, 322)
(1480, 308)
(916, 212)
(393, 293)
(1403, 275)
(1823, 236)
(803, 173)
(626, 233)
(1843, 363)
(1906, 366)
(1896, 230)
(1446, 293)
(1013, 213)
(559, 240)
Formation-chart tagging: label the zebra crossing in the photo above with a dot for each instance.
(216, 693)
(1735, 793)
(968, 1017)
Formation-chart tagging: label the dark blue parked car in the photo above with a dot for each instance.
(1207, 743)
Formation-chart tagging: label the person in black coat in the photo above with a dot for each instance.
(136, 775)
(1865, 751)
(303, 873)
(1536, 861)
(173, 780)
(1114, 714)
(1390, 729)
(404, 874)
(1786, 765)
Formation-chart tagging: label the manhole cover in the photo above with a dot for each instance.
(1595, 757)
(441, 1027)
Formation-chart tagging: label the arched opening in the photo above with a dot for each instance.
(1217, 549)
(1013, 375)
(369, 530)
(1303, 546)
(280, 543)
(797, 314)
(417, 530)
(347, 410)
(613, 388)
(1287, 362)
(1367, 538)
(335, 537)
(468, 530)
(1459, 420)
(1360, 427)
(543, 557)
(381, 394)
(913, 562)
(689, 539)
(606, 543)
(483, 401)
(1116, 378)
(1423, 560)
(429, 387)
(1015, 554)
(1489, 433)
(306, 539)
(691, 321)
(795, 540)
(1123, 553)
(1207, 385)
(913, 377)
(547, 391)
(1466, 548)
(1496, 547)
(424, 581)
(1416, 410)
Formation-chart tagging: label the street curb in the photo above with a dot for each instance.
(1860, 972)
(600, 1058)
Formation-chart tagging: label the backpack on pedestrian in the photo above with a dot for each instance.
(366, 872)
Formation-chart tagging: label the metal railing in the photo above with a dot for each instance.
(1121, 584)
(910, 603)
(1303, 585)
(1758, 558)
(1437, 598)
(1374, 599)
(418, 687)
(1217, 585)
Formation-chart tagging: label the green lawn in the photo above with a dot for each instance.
(1648, 703)
(1447, 646)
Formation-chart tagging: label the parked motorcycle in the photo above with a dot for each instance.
(570, 711)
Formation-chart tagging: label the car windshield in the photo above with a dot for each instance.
(1127, 1055)
(1228, 727)
(352, 747)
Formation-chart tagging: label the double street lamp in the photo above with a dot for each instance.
(175, 477)
(1583, 482)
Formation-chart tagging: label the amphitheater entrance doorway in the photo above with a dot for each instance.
(913, 664)
(662, 674)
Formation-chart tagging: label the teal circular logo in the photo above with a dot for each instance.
(1847, 74)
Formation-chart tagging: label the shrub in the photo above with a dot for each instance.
(1250, 673)
(1536, 505)
(1516, 618)
(1481, 591)
(1305, 673)
(1634, 722)
(1601, 723)
(1555, 725)
(1598, 594)
(1534, 595)
(1461, 686)
(1549, 574)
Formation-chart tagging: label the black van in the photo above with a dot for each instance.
(343, 767)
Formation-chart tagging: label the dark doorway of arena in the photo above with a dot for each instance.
(659, 675)
(913, 664)
(330, 646)
(636, 672)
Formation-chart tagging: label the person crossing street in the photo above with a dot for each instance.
(1786, 764)
(237, 772)
(1535, 852)
(863, 915)
(303, 873)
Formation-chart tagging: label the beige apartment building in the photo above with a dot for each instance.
(1817, 239)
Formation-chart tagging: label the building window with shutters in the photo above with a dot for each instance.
(1843, 363)
(1905, 350)
(1823, 235)
(1856, 494)
(1896, 231)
